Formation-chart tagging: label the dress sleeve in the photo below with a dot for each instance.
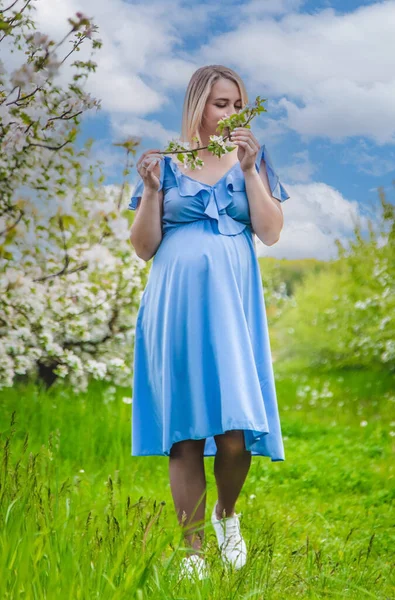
(138, 189)
(277, 188)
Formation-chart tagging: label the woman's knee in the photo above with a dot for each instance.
(231, 442)
(187, 448)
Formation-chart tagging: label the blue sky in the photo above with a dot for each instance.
(326, 67)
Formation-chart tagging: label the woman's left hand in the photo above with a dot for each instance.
(248, 147)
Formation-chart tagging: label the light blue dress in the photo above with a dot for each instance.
(202, 358)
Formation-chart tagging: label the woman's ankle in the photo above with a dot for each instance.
(217, 511)
(190, 550)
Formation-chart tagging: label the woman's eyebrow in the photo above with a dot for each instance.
(239, 100)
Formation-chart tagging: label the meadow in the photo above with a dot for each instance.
(82, 518)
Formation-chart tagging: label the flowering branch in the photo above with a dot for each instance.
(217, 145)
(32, 106)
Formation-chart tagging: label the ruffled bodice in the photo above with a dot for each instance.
(225, 202)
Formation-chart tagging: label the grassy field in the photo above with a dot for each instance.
(82, 518)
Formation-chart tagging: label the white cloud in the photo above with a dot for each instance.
(314, 216)
(334, 72)
(124, 126)
(302, 168)
(339, 108)
(131, 35)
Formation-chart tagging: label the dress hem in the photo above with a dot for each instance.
(244, 427)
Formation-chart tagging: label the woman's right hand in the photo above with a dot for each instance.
(148, 167)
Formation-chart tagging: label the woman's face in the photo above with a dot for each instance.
(224, 99)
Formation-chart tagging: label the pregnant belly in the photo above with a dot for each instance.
(196, 271)
(198, 247)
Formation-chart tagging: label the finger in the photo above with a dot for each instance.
(245, 138)
(151, 161)
(145, 154)
(154, 157)
(243, 134)
(149, 157)
(146, 161)
(148, 168)
(153, 165)
(247, 146)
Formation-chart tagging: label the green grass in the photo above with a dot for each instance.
(318, 525)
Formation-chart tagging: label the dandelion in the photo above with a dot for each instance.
(363, 423)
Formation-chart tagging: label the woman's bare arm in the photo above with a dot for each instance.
(146, 231)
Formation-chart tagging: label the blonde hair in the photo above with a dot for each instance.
(196, 95)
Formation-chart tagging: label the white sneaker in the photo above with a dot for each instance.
(193, 567)
(230, 541)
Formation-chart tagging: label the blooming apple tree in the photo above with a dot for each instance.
(69, 279)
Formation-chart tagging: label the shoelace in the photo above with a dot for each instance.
(232, 531)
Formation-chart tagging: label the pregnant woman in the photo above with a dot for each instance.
(203, 382)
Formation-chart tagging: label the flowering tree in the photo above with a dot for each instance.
(344, 316)
(69, 277)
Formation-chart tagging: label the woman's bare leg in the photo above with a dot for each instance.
(188, 487)
(231, 465)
